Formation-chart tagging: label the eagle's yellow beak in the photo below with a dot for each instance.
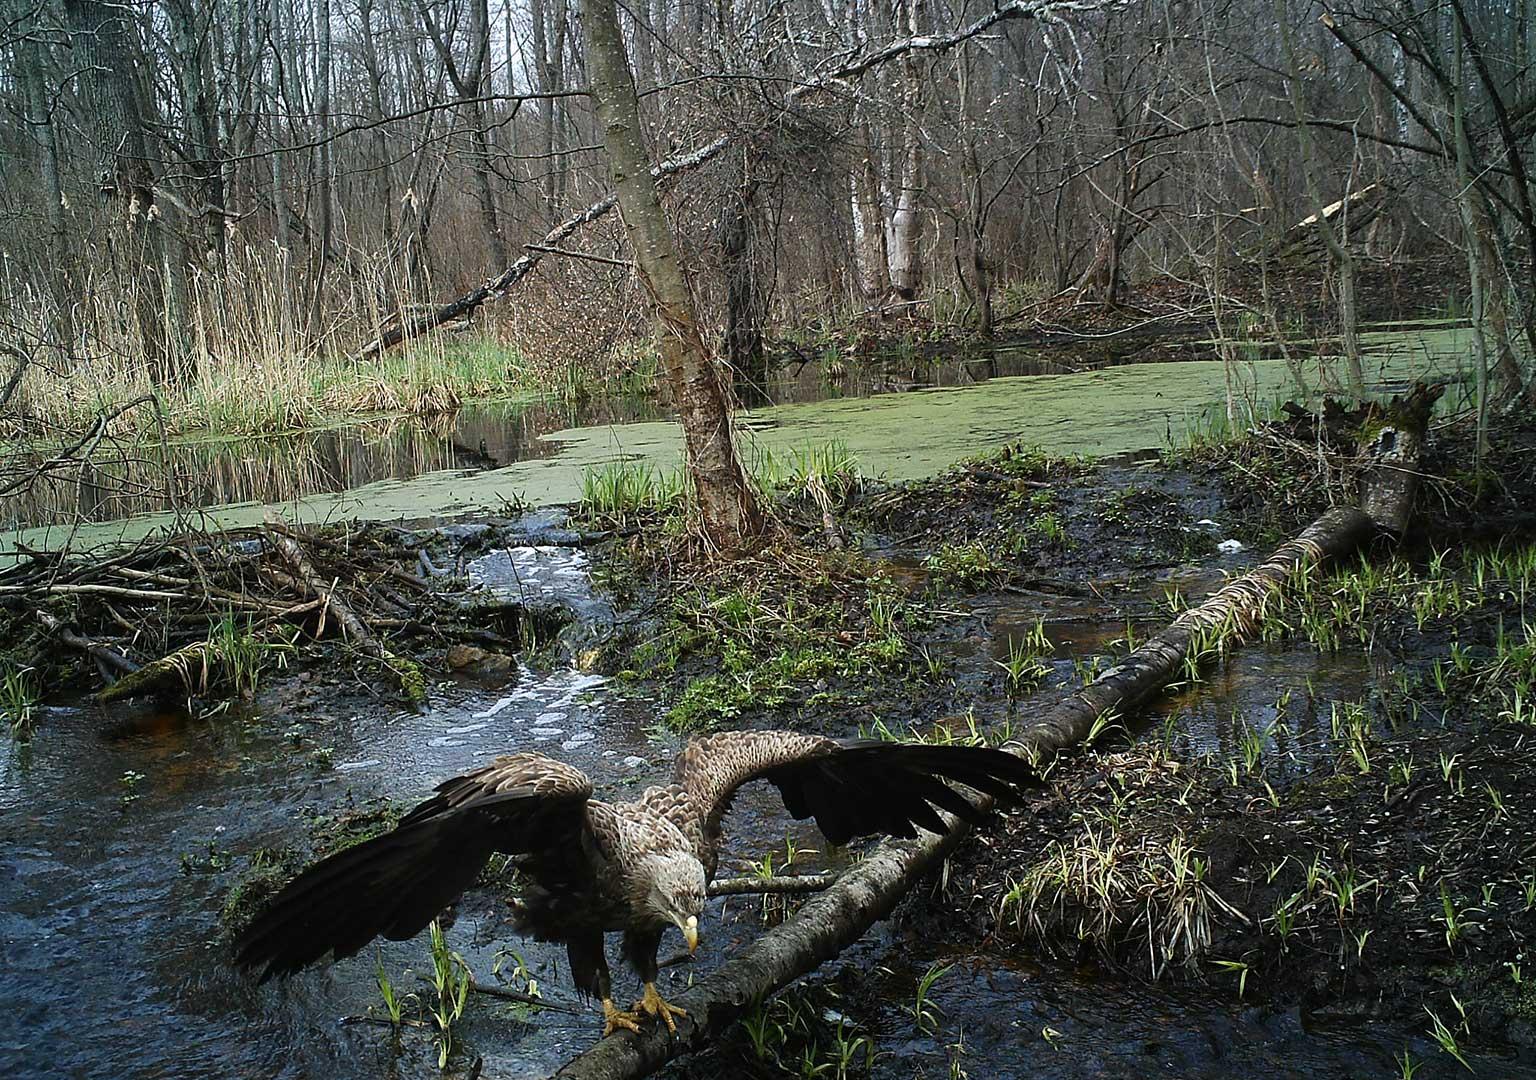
(690, 929)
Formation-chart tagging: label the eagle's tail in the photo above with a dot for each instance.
(392, 886)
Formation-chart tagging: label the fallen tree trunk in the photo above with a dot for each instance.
(1304, 239)
(870, 890)
(191, 668)
(405, 330)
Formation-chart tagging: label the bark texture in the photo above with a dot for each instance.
(870, 890)
(727, 504)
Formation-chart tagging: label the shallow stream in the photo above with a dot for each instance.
(122, 829)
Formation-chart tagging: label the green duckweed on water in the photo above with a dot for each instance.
(894, 436)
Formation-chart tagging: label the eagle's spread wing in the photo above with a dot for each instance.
(396, 883)
(852, 787)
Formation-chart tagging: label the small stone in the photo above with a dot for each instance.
(1229, 547)
(480, 663)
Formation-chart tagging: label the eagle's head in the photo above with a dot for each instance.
(676, 894)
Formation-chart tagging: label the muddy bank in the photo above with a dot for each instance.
(1273, 839)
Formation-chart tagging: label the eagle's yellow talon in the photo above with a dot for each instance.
(615, 1018)
(653, 1004)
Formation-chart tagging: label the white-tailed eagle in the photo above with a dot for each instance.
(594, 867)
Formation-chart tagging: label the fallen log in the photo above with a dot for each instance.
(1360, 208)
(407, 675)
(190, 668)
(871, 889)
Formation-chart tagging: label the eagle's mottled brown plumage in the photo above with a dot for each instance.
(593, 867)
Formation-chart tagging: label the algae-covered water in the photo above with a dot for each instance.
(493, 455)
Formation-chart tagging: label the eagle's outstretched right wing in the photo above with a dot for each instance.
(852, 787)
(396, 883)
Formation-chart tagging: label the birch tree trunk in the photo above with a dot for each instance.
(906, 220)
(727, 504)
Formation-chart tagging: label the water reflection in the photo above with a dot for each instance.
(128, 480)
(125, 480)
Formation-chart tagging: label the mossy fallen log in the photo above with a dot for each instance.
(870, 890)
(190, 670)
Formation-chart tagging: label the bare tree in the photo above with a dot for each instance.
(727, 505)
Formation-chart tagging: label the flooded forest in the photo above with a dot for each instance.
(766, 538)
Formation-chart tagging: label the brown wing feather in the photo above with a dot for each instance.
(395, 884)
(852, 787)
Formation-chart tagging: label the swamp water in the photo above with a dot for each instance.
(495, 454)
(122, 830)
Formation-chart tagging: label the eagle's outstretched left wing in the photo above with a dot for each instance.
(852, 787)
(395, 884)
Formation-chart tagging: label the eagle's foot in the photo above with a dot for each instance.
(653, 1004)
(615, 1018)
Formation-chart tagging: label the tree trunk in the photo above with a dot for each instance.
(381, 167)
(281, 226)
(727, 504)
(870, 890)
(1337, 240)
(906, 220)
(560, 18)
(543, 83)
(100, 42)
(869, 247)
(190, 37)
(38, 107)
(324, 193)
(480, 138)
(743, 303)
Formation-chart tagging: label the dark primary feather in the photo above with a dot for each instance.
(395, 884)
(852, 787)
(868, 787)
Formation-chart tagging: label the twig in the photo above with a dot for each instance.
(746, 886)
